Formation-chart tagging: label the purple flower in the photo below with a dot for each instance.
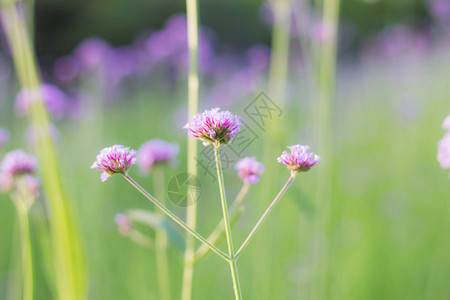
(32, 185)
(52, 96)
(4, 137)
(15, 163)
(123, 223)
(156, 151)
(299, 160)
(91, 53)
(249, 169)
(214, 127)
(66, 69)
(114, 159)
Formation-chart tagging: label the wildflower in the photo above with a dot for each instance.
(16, 163)
(53, 97)
(156, 151)
(214, 127)
(299, 160)
(4, 137)
(249, 169)
(114, 159)
(123, 223)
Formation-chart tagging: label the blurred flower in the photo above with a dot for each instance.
(52, 96)
(214, 127)
(91, 53)
(299, 160)
(114, 159)
(124, 224)
(443, 155)
(249, 169)
(4, 137)
(15, 163)
(441, 11)
(156, 151)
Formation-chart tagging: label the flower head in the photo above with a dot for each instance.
(114, 159)
(156, 151)
(299, 160)
(249, 169)
(214, 126)
(16, 163)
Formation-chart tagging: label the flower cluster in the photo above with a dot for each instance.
(214, 127)
(17, 164)
(443, 155)
(299, 160)
(114, 159)
(249, 169)
(156, 151)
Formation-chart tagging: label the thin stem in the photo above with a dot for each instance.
(264, 216)
(162, 264)
(233, 267)
(193, 91)
(175, 218)
(27, 256)
(219, 229)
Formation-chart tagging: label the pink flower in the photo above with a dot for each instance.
(114, 159)
(214, 127)
(249, 169)
(156, 151)
(299, 160)
(16, 163)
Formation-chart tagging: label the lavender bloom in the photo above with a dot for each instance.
(66, 69)
(114, 159)
(249, 169)
(156, 151)
(4, 137)
(443, 155)
(299, 160)
(52, 96)
(214, 127)
(123, 223)
(15, 163)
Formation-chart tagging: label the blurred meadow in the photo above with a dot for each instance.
(369, 222)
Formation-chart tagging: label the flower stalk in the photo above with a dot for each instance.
(232, 262)
(265, 214)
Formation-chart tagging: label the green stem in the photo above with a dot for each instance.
(219, 229)
(233, 266)
(162, 264)
(175, 218)
(27, 256)
(264, 216)
(193, 91)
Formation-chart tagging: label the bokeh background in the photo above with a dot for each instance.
(117, 74)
